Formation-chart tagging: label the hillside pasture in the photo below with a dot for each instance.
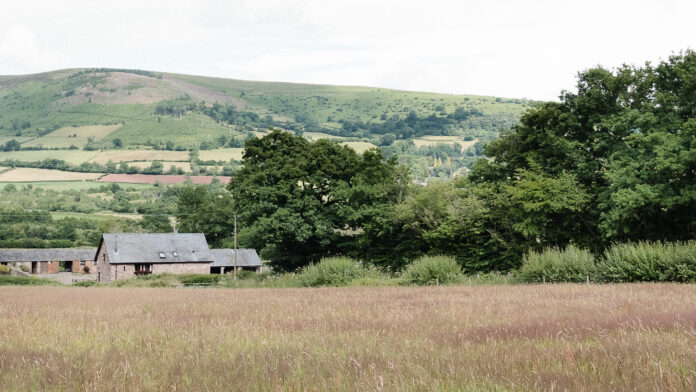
(433, 140)
(321, 135)
(117, 156)
(72, 136)
(481, 338)
(359, 147)
(74, 157)
(71, 185)
(26, 174)
(164, 179)
(221, 154)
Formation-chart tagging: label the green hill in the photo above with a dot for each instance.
(97, 109)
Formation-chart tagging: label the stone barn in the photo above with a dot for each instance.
(126, 255)
(223, 261)
(50, 261)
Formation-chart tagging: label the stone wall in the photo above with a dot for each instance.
(102, 267)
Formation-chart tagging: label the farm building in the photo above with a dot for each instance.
(125, 255)
(223, 261)
(50, 261)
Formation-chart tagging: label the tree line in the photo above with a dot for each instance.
(610, 163)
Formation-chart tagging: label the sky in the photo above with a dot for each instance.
(517, 49)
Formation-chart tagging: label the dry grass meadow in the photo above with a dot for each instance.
(544, 337)
(27, 174)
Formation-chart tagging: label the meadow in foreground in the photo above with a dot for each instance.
(543, 337)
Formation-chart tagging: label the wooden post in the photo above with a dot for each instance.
(588, 279)
(437, 281)
(235, 247)
(543, 279)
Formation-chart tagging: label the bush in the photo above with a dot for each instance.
(198, 279)
(24, 268)
(649, 261)
(4, 270)
(554, 265)
(333, 271)
(432, 270)
(85, 283)
(6, 280)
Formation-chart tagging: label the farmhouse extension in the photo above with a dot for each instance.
(125, 255)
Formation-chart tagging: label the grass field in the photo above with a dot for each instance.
(140, 155)
(433, 140)
(96, 216)
(359, 147)
(221, 154)
(320, 135)
(27, 174)
(74, 157)
(546, 337)
(72, 136)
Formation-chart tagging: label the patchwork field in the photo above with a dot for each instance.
(72, 136)
(433, 140)
(550, 337)
(25, 174)
(359, 147)
(71, 185)
(140, 155)
(221, 154)
(74, 157)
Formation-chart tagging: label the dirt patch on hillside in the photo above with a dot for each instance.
(200, 93)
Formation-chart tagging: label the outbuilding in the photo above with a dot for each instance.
(223, 261)
(125, 255)
(50, 260)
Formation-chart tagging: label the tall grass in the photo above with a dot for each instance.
(333, 271)
(557, 265)
(649, 261)
(453, 338)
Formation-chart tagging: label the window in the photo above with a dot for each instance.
(175, 254)
(143, 269)
(162, 255)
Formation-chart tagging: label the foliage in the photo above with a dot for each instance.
(85, 283)
(649, 262)
(4, 270)
(189, 279)
(6, 280)
(299, 201)
(557, 265)
(429, 270)
(331, 271)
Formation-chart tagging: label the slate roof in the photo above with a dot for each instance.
(245, 258)
(47, 254)
(130, 248)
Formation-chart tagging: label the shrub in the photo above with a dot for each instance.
(432, 270)
(649, 261)
(198, 279)
(24, 268)
(333, 271)
(6, 280)
(85, 283)
(554, 265)
(4, 270)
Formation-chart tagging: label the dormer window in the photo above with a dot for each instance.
(175, 254)
(162, 255)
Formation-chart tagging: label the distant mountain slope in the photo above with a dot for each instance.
(182, 112)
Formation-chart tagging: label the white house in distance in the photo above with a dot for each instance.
(125, 255)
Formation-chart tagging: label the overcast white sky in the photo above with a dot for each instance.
(529, 49)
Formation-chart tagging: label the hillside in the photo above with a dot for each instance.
(63, 112)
